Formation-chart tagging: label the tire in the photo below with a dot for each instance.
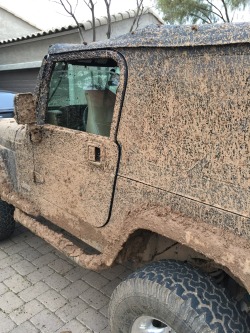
(7, 222)
(177, 297)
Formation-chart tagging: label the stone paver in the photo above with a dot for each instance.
(42, 291)
(52, 300)
(72, 309)
(3, 288)
(10, 260)
(24, 267)
(45, 248)
(40, 274)
(16, 248)
(60, 266)
(57, 281)
(76, 273)
(6, 273)
(74, 326)
(17, 283)
(29, 253)
(46, 321)
(108, 288)
(2, 254)
(26, 312)
(45, 259)
(104, 310)
(6, 244)
(33, 291)
(9, 302)
(6, 323)
(26, 327)
(96, 280)
(113, 272)
(94, 298)
(93, 319)
(74, 288)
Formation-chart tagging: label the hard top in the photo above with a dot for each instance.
(169, 36)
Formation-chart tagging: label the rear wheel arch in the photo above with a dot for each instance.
(218, 246)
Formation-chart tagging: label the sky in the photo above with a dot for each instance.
(47, 13)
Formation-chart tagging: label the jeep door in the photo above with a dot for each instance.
(77, 157)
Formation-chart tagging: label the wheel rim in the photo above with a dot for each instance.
(146, 324)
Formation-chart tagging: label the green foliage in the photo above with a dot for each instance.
(199, 11)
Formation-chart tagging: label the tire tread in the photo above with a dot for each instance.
(192, 295)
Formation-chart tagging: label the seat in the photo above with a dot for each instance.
(100, 111)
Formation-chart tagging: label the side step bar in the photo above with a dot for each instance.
(62, 244)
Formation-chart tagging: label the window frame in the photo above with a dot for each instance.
(81, 55)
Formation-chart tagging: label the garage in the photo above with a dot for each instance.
(22, 80)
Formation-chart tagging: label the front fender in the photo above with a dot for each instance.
(8, 133)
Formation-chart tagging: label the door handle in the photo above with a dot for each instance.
(95, 153)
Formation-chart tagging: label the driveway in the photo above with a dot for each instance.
(42, 291)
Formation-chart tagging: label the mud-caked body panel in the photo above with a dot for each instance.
(200, 227)
(191, 134)
(188, 148)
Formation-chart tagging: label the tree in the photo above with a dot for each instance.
(200, 11)
(139, 12)
(67, 6)
(91, 5)
(70, 10)
(107, 3)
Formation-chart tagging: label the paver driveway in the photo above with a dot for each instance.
(42, 291)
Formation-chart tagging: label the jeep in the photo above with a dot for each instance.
(137, 149)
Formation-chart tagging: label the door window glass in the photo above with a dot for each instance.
(82, 95)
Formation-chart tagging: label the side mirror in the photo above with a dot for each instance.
(25, 111)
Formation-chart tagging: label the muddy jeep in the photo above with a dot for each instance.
(138, 149)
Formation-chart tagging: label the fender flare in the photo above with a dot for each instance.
(230, 251)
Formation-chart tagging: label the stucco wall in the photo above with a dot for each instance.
(32, 50)
(12, 26)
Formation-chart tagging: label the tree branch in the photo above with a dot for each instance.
(220, 15)
(139, 17)
(138, 14)
(72, 14)
(200, 18)
(202, 9)
(91, 6)
(226, 10)
(107, 3)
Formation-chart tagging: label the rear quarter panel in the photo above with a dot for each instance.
(185, 130)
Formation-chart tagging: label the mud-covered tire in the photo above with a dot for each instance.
(7, 222)
(178, 295)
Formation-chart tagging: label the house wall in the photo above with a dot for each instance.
(12, 26)
(24, 57)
